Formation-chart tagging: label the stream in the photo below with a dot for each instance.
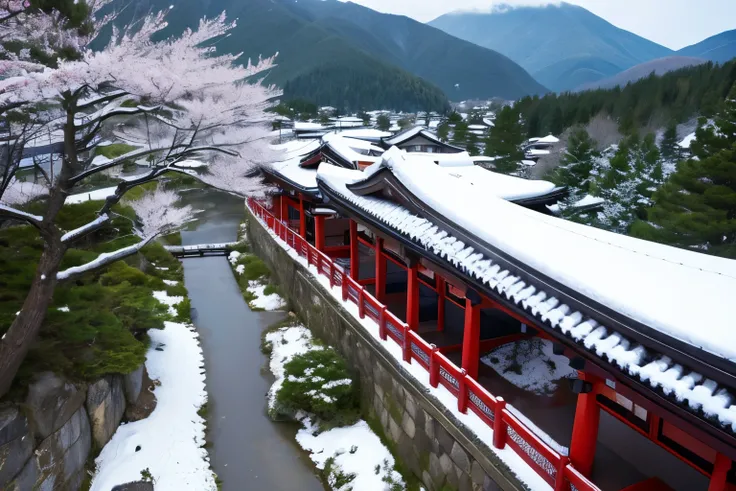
(247, 450)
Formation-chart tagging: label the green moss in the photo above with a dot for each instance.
(272, 289)
(172, 239)
(183, 311)
(413, 482)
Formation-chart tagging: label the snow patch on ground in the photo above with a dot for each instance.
(356, 449)
(233, 257)
(262, 301)
(240, 268)
(63, 309)
(171, 439)
(530, 365)
(165, 299)
(171, 282)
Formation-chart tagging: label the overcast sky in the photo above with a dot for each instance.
(672, 23)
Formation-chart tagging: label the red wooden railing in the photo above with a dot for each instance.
(554, 468)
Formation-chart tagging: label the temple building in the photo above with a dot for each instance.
(418, 139)
(605, 362)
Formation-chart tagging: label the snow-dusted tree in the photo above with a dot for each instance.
(628, 181)
(173, 101)
(574, 171)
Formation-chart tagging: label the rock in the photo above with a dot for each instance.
(146, 402)
(435, 470)
(394, 430)
(133, 383)
(446, 441)
(460, 457)
(477, 473)
(16, 443)
(134, 486)
(407, 424)
(58, 462)
(447, 466)
(490, 485)
(51, 402)
(105, 406)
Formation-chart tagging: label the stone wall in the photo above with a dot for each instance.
(427, 439)
(45, 441)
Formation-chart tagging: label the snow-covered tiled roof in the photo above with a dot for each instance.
(290, 168)
(365, 133)
(686, 295)
(547, 139)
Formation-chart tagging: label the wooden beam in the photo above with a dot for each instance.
(412, 297)
(718, 481)
(380, 271)
(302, 219)
(354, 251)
(585, 433)
(471, 338)
(319, 233)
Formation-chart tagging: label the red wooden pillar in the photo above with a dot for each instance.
(302, 219)
(319, 233)
(412, 297)
(380, 271)
(585, 433)
(441, 289)
(284, 209)
(354, 251)
(471, 338)
(720, 472)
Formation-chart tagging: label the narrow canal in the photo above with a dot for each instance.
(247, 450)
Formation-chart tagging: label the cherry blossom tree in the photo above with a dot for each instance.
(172, 101)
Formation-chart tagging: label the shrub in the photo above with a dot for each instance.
(319, 383)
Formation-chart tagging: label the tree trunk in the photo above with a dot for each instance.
(23, 331)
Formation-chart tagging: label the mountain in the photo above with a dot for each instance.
(659, 66)
(348, 56)
(719, 48)
(461, 69)
(563, 46)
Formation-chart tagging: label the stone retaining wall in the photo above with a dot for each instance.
(427, 439)
(45, 442)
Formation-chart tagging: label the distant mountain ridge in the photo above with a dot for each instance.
(348, 56)
(562, 45)
(719, 48)
(659, 66)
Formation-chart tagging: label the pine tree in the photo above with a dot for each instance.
(669, 149)
(443, 131)
(696, 208)
(619, 190)
(505, 139)
(574, 171)
(383, 123)
(460, 135)
(472, 144)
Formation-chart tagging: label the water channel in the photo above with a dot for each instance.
(247, 450)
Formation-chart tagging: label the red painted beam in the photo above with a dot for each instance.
(412, 298)
(380, 271)
(354, 251)
(319, 233)
(718, 481)
(302, 219)
(585, 433)
(471, 339)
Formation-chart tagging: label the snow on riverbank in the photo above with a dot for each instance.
(356, 450)
(272, 301)
(169, 443)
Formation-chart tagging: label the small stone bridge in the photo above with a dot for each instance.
(201, 250)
